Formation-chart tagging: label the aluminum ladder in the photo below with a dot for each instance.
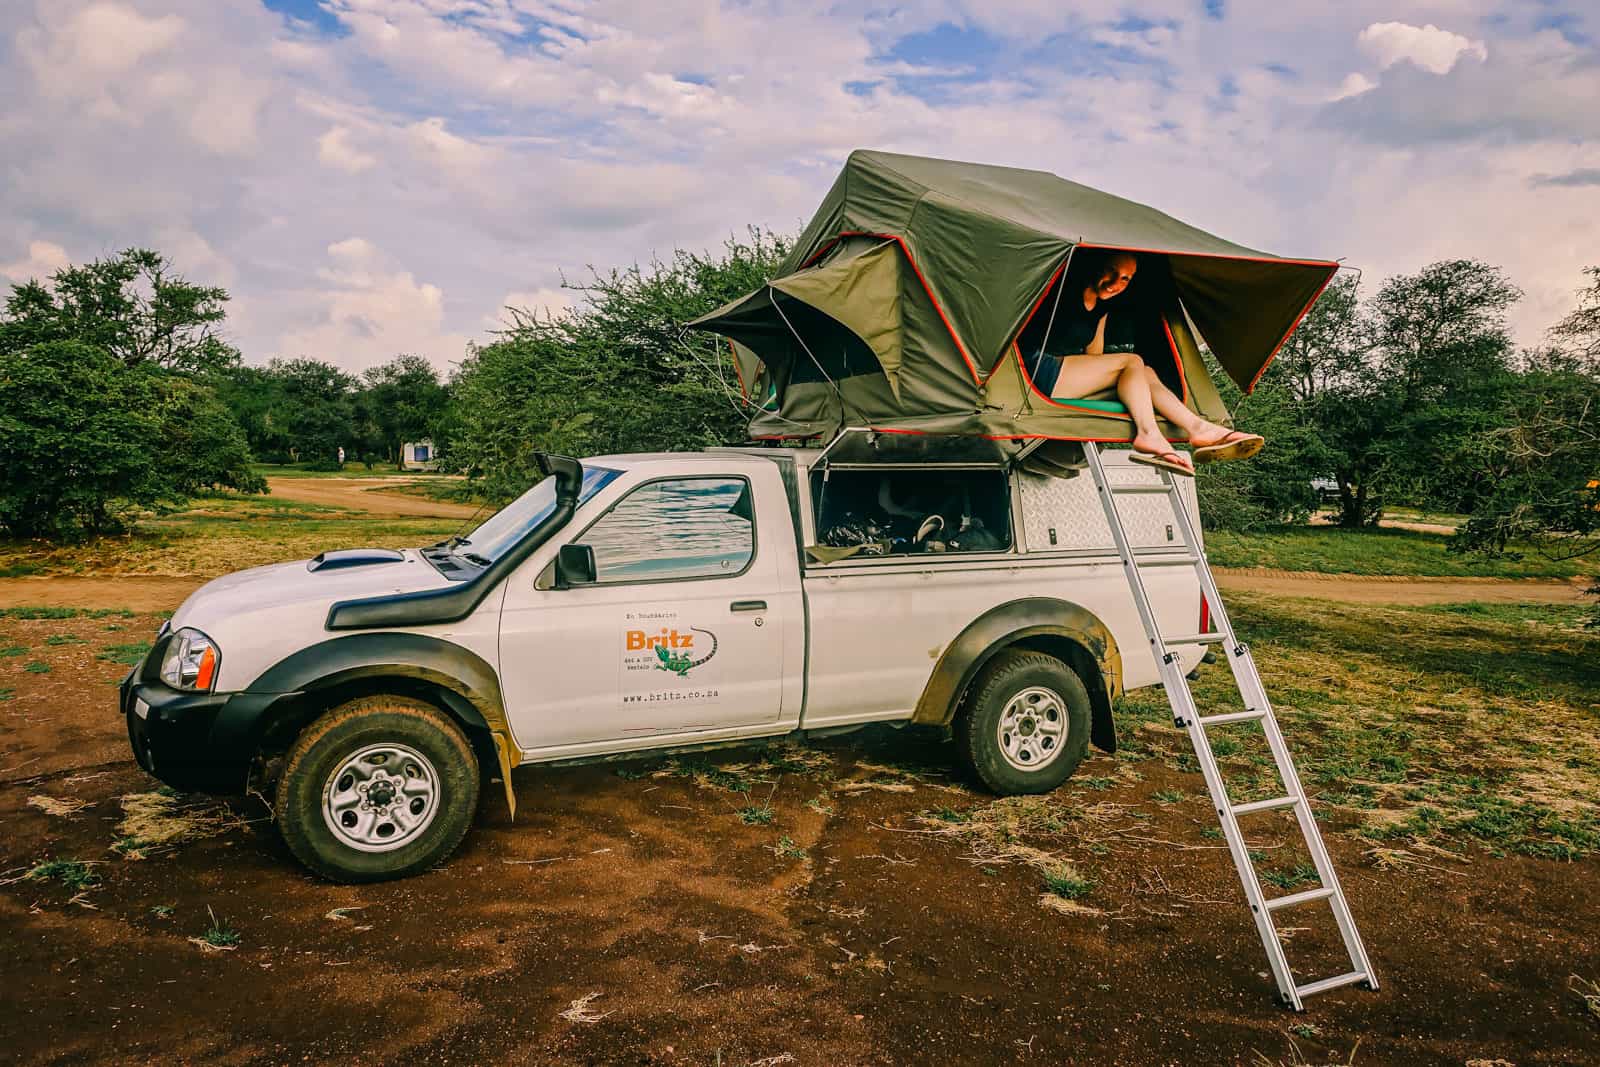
(1257, 708)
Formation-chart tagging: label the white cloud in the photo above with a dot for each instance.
(393, 186)
(542, 302)
(334, 149)
(369, 310)
(43, 259)
(1427, 47)
(1354, 84)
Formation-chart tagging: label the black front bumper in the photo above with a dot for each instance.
(195, 742)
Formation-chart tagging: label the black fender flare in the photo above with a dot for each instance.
(469, 685)
(1044, 623)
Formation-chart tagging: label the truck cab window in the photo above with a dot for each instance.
(673, 529)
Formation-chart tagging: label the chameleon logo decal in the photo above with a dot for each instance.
(680, 663)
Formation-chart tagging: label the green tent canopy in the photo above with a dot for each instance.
(910, 299)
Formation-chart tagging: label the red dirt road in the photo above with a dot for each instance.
(366, 494)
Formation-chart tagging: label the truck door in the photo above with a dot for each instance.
(681, 631)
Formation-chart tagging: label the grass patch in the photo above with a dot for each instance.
(1167, 796)
(757, 815)
(64, 613)
(13, 650)
(1299, 874)
(1331, 550)
(220, 934)
(1447, 725)
(220, 533)
(63, 639)
(787, 849)
(1065, 882)
(37, 667)
(76, 875)
(7, 694)
(127, 655)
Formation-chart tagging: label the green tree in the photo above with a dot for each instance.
(1577, 336)
(91, 442)
(1318, 360)
(1536, 476)
(131, 306)
(615, 374)
(1424, 376)
(402, 400)
(313, 409)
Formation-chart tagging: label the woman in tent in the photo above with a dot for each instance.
(1086, 368)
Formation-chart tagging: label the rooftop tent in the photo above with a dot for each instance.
(909, 299)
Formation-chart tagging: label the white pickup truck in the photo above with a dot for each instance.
(639, 603)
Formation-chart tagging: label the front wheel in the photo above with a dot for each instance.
(378, 788)
(1024, 726)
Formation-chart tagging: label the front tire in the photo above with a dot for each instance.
(1024, 726)
(380, 787)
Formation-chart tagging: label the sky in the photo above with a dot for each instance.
(372, 177)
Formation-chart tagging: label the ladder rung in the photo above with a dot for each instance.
(1331, 983)
(1232, 716)
(1265, 805)
(1321, 893)
(1196, 639)
(1164, 561)
(1138, 487)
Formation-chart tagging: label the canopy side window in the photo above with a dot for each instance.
(895, 511)
(1136, 320)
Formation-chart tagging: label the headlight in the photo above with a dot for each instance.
(191, 661)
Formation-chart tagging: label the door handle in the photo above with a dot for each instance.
(748, 605)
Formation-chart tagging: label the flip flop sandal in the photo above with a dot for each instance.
(1236, 445)
(1161, 460)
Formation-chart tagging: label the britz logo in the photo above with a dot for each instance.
(638, 639)
(672, 648)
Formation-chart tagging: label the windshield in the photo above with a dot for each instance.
(508, 525)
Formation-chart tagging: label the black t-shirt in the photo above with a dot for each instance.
(1071, 331)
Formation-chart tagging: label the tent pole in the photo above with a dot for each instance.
(1051, 322)
(838, 394)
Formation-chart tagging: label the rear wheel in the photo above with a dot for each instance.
(378, 788)
(1024, 726)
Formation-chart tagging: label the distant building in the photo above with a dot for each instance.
(419, 456)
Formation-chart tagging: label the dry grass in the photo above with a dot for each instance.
(152, 822)
(579, 1011)
(1013, 831)
(1416, 726)
(1588, 994)
(55, 805)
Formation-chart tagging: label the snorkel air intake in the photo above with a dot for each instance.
(432, 606)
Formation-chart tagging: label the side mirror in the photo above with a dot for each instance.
(574, 566)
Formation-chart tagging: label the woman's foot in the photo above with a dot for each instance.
(1214, 444)
(1158, 447)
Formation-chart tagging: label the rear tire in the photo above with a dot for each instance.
(1024, 726)
(378, 788)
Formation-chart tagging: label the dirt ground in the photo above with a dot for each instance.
(366, 494)
(632, 914)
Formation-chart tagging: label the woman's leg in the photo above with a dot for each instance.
(1085, 375)
(1200, 432)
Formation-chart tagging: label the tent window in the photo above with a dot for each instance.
(892, 511)
(831, 350)
(1134, 323)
